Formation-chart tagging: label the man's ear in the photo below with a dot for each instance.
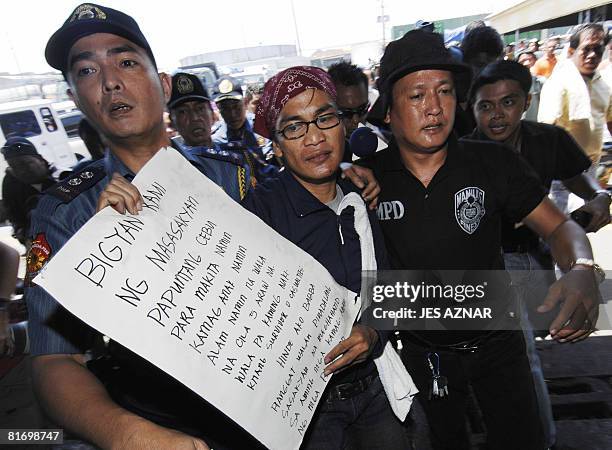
(570, 52)
(170, 114)
(388, 116)
(72, 97)
(277, 150)
(166, 83)
(527, 102)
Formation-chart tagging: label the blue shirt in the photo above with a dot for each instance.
(254, 149)
(286, 206)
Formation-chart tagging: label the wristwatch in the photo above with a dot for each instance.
(599, 272)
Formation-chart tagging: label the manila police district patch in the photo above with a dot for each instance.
(38, 256)
(469, 208)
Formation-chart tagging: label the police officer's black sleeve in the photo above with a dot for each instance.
(571, 160)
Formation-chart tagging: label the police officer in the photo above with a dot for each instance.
(120, 400)
(28, 174)
(236, 134)
(191, 116)
(190, 110)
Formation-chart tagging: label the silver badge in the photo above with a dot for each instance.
(74, 181)
(86, 175)
(87, 12)
(469, 208)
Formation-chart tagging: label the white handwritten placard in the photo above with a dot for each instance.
(211, 295)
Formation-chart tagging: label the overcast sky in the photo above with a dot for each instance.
(186, 27)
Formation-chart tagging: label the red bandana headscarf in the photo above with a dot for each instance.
(284, 86)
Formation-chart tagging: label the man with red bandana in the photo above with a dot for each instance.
(307, 204)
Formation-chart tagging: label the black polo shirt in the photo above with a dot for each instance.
(455, 222)
(287, 207)
(554, 155)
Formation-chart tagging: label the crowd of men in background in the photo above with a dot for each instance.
(553, 107)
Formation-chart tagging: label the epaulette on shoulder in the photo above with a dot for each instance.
(77, 183)
(220, 154)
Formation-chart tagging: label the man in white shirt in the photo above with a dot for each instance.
(577, 98)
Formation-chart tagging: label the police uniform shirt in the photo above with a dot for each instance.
(250, 146)
(554, 155)
(454, 222)
(237, 174)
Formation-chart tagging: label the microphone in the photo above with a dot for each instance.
(363, 142)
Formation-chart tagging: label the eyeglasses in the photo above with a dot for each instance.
(298, 129)
(348, 113)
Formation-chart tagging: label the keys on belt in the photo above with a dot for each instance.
(346, 391)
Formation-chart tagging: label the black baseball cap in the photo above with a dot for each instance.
(185, 87)
(420, 50)
(424, 25)
(88, 19)
(227, 88)
(416, 50)
(18, 146)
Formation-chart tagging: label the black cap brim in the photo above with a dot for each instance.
(462, 76)
(187, 98)
(230, 96)
(461, 72)
(60, 43)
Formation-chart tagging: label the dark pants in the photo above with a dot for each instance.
(500, 377)
(364, 421)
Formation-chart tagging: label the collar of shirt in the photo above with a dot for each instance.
(478, 135)
(301, 200)
(113, 164)
(394, 163)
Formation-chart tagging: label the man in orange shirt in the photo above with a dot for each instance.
(545, 65)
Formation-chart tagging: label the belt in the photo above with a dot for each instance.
(469, 346)
(345, 391)
(520, 247)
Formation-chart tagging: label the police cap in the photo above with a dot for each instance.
(18, 146)
(227, 88)
(88, 19)
(185, 87)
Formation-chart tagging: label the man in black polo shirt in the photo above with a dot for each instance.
(440, 208)
(499, 96)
